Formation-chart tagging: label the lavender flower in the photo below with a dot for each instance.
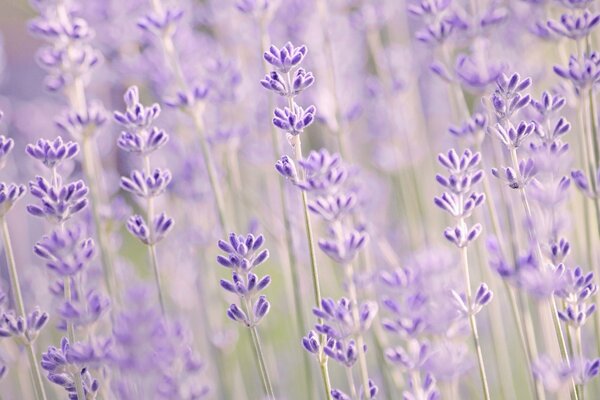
(577, 289)
(52, 153)
(573, 26)
(62, 370)
(243, 254)
(66, 252)
(583, 72)
(142, 138)
(24, 330)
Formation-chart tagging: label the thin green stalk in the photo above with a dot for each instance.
(152, 257)
(258, 353)
(209, 163)
(473, 322)
(106, 258)
(526, 334)
(71, 335)
(297, 146)
(36, 376)
(325, 375)
(579, 345)
(360, 342)
(351, 384)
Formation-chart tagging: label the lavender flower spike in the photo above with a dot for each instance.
(460, 201)
(242, 255)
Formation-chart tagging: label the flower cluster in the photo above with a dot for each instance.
(289, 80)
(142, 138)
(68, 55)
(242, 255)
(68, 252)
(461, 200)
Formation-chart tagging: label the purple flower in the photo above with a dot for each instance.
(10, 193)
(294, 120)
(143, 144)
(285, 58)
(68, 56)
(512, 137)
(163, 23)
(475, 127)
(82, 124)
(52, 153)
(412, 357)
(243, 254)
(514, 179)
(507, 98)
(574, 26)
(483, 296)
(344, 250)
(24, 329)
(576, 291)
(582, 72)
(136, 116)
(339, 321)
(6, 145)
(62, 370)
(424, 390)
(58, 203)
(324, 171)
(276, 82)
(147, 186)
(583, 184)
(66, 251)
(286, 168)
(161, 226)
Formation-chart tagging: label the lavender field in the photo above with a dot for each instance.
(299, 199)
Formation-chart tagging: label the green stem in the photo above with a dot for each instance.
(36, 376)
(152, 256)
(351, 384)
(473, 322)
(106, 258)
(297, 146)
(258, 353)
(210, 167)
(72, 340)
(360, 343)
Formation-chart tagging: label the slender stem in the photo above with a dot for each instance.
(351, 384)
(18, 298)
(325, 376)
(106, 257)
(258, 353)
(152, 247)
(579, 345)
(473, 322)
(196, 113)
(297, 146)
(71, 334)
(360, 343)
